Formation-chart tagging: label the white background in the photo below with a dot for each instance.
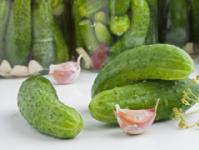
(17, 134)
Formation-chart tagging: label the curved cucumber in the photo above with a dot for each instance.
(158, 61)
(18, 37)
(4, 13)
(137, 33)
(177, 30)
(39, 105)
(142, 95)
(43, 36)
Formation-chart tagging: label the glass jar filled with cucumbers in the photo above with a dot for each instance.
(105, 28)
(33, 35)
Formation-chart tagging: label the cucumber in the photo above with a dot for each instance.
(40, 106)
(152, 36)
(195, 20)
(119, 7)
(43, 48)
(87, 8)
(77, 19)
(87, 33)
(102, 33)
(18, 37)
(142, 95)
(4, 13)
(119, 24)
(137, 33)
(61, 48)
(178, 29)
(158, 61)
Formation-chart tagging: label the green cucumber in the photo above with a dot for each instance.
(142, 95)
(87, 8)
(152, 36)
(88, 35)
(119, 24)
(61, 48)
(4, 13)
(177, 30)
(76, 19)
(18, 37)
(43, 34)
(195, 20)
(119, 7)
(40, 106)
(102, 33)
(158, 61)
(137, 33)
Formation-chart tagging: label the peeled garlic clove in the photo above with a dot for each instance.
(65, 73)
(19, 71)
(34, 67)
(135, 121)
(5, 67)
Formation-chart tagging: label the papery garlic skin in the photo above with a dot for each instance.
(65, 73)
(135, 121)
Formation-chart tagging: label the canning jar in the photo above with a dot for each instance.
(105, 28)
(33, 35)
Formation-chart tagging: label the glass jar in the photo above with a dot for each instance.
(32, 30)
(105, 28)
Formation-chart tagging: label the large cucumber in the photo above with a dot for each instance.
(158, 61)
(177, 30)
(142, 95)
(18, 37)
(137, 33)
(40, 106)
(4, 13)
(43, 33)
(195, 20)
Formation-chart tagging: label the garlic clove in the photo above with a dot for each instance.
(19, 71)
(65, 73)
(5, 67)
(135, 121)
(34, 67)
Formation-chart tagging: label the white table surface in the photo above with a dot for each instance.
(17, 134)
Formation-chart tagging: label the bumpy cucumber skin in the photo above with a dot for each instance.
(195, 20)
(177, 30)
(119, 7)
(18, 37)
(39, 105)
(158, 61)
(142, 95)
(43, 48)
(138, 31)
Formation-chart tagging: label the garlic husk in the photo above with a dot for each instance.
(65, 73)
(135, 122)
